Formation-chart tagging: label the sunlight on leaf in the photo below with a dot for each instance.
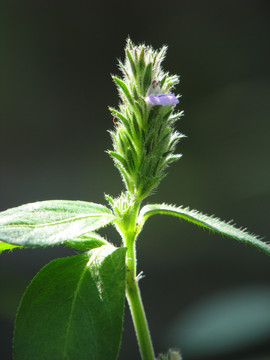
(73, 308)
(48, 223)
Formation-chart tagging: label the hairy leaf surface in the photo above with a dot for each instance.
(52, 222)
(87, 242)
(209, 222)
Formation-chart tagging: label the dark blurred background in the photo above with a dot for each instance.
(204, 294)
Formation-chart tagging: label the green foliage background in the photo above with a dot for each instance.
(56, 61)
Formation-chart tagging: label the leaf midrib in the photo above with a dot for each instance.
(216, 225)
(76, 292)
(55, 222)
(189, 216)
(76, 295)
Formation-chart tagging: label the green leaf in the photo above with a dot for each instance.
(73, 308)
(51, 222)
(209, 222)
(87, 242)
(5, 246)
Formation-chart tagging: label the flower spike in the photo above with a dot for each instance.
(144, 138)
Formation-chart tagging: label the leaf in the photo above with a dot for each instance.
(51, 222)
(5, 246)
(73, 308)
(209, 222)
(87, 242)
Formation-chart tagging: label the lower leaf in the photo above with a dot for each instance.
(73, 308)
(87, 242)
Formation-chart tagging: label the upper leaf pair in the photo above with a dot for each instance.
(73, 223)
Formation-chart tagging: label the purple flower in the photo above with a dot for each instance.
(161, 99)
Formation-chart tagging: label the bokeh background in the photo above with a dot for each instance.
(207, 295)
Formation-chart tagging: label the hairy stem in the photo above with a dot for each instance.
(139, 320)
(133, 292)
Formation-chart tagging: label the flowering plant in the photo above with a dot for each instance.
(73, 308)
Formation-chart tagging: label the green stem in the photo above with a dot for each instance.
(140, 322)
(133, 292)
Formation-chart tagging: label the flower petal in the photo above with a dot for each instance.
(161, 99)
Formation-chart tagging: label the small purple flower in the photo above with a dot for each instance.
(161, 99)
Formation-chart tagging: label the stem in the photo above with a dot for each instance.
(140, 322)
(133, 292)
